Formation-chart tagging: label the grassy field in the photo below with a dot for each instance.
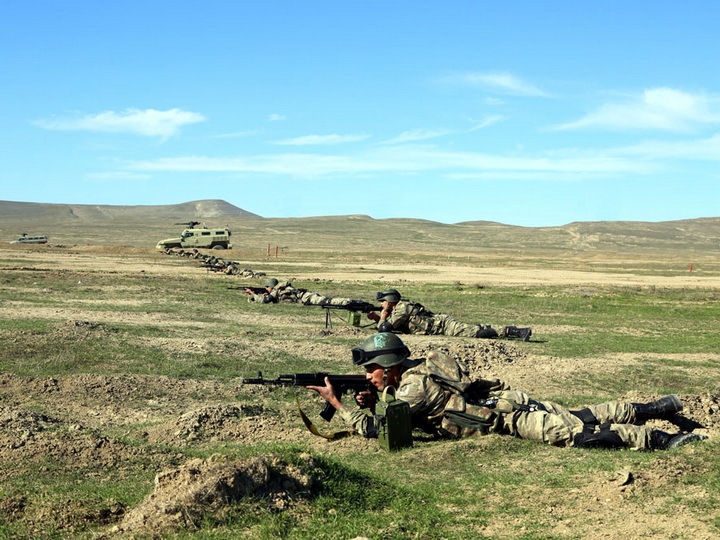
(113, 374)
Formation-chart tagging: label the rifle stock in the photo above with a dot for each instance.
(340, 383)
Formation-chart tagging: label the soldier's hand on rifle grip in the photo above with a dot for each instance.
(365, 400)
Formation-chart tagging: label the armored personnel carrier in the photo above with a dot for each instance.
(197, 235)
(25, 239)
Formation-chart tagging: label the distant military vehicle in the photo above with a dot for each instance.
(198, 237)
(25, 239)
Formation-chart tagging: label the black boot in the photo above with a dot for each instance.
(513, 331)
(659, 440)
(662, 408)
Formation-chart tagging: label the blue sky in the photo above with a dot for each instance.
(526, 113)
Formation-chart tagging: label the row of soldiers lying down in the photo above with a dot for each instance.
(396, 315)
(213, 263)
(445, 402)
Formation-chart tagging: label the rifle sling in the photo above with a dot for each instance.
(312, 429)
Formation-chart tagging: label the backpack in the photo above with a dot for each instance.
(469, 407)
(420, 320)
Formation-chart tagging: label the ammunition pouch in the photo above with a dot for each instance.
(462, 419)
(393, 422)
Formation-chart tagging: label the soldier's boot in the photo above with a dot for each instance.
(515, 332)
(659, 440)
(664, 407)
(486, 332)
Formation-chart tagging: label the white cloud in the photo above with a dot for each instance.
(417, 135)
(321, 140)
(118, 175)
(500, 82)
(488, 121)
(664, 109)
(707, 149)
(401, 159)
(276, 118)
(234, 135)
(149, 123)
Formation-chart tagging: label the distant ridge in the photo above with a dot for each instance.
(140, 226)
(203, 209)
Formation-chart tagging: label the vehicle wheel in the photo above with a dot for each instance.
(218, 247)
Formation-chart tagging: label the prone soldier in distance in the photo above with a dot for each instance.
(405, 317)
(277, 291)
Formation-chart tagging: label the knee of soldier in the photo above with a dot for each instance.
(601, 438)
(558, 435)
(514, 395)
(486, 333)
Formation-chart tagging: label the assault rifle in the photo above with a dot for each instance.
(341, 383)
(255, 290)
(354, 305)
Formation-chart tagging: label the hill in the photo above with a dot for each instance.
(143, 226)
(85, 212)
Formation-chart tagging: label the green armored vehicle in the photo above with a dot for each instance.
(198, 237)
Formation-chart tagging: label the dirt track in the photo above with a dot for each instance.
(103, 259)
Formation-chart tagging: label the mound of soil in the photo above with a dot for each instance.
(207, 423)
(206, 487)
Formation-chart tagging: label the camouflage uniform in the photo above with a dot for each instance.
(413, 318)
(285, 292)
(437, 409)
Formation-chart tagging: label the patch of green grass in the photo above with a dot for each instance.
(438, 489)
(345, 502)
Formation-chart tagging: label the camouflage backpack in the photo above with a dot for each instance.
(420, 320)
(470, 407)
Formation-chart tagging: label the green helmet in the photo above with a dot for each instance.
(272, 282)
(391, 295)
(384, 349)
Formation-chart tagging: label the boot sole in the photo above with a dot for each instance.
(687, 438)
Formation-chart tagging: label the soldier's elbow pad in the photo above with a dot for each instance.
(385, 327)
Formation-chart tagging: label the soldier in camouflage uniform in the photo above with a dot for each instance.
(445, 402)
(285, 292)
(405, 317)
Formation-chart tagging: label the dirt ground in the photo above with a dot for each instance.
(103, 258)
(179, 413)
